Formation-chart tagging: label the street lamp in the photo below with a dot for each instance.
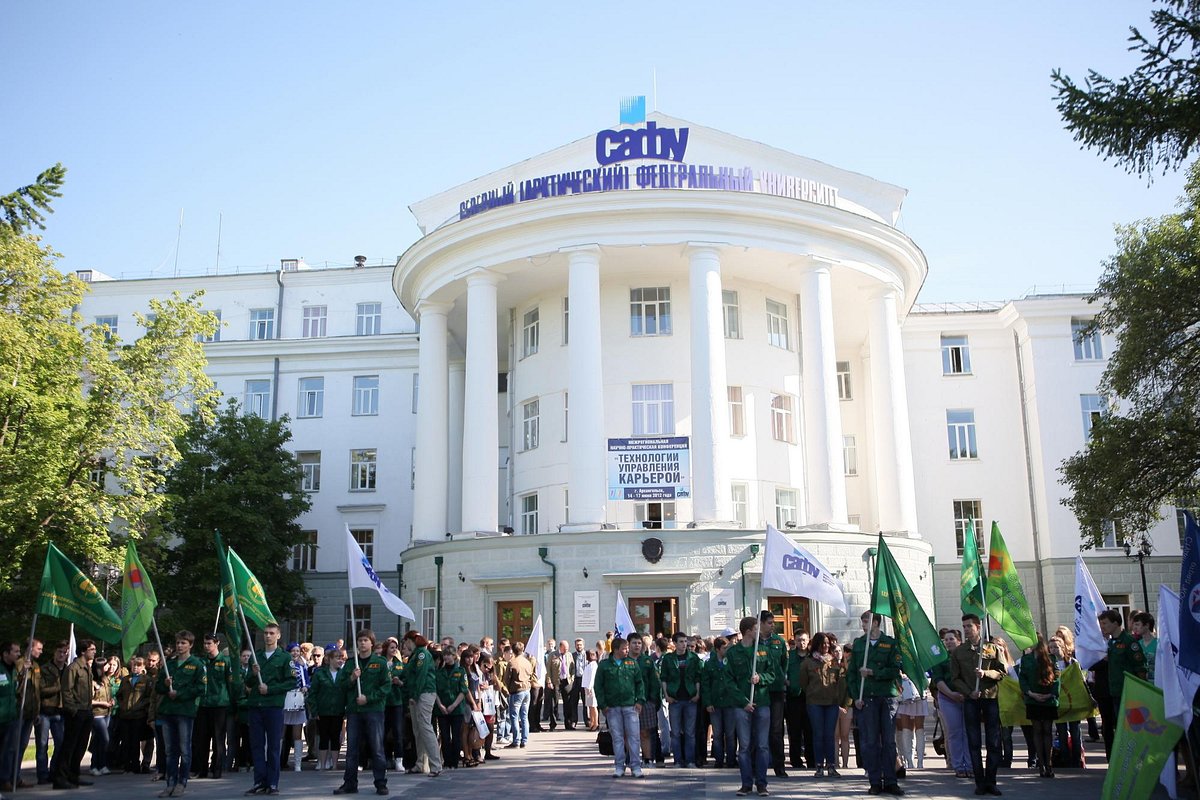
(109, 574)
(1144, 548)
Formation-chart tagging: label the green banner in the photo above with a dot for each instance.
(138, 603)
(920, 646)
(250, 595)
(1145, 737)
(232, 623)
(69, 594)
(971, 579)
(1006, 601)
(1075, 704)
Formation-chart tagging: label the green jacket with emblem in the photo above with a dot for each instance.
(8, 694)
(326, 697)
(276, 673)
(742, 664)
(420, 674)
(1124, 655)
(651, 678)
(189, 681)
(216, 694)
(395, 696)
(619, 683)
(716, 683)
(777, 647)
(884, 661)
(376, 684)
(451, 682)
(681, 682)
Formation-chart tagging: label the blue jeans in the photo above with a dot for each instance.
(50, 727)
(754, 731)
(683, 731)
(877, 734)
(100, 740)
(9, 733)
(359, 726)
(986, 712)
(177, 739)
(724, 735)
(957, 755)
(626, 733)
(266, 735)
(823, 720)
(518, 716)
(394, 721)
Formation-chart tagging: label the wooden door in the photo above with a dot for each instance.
(514, 620)
(792, 615)
(655, 615)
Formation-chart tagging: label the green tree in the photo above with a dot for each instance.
(1152, 116)
(88, 423)
(235, 474)
(22, 209)
(1147, 454)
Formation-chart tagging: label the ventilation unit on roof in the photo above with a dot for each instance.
(360, 262)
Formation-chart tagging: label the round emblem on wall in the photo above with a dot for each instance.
(652, 550)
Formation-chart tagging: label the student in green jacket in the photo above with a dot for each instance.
(680, 673)
(366, 687)
(420, 686)
(753, 672)
(268, 681)
(327, 706)
(873, 677)
(716, 694)
(179, 698)
(451, 705)
(620, 695)
(214, 706)
(1038, 677)
(10, 720)
(395, 705)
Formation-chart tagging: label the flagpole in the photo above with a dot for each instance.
(217, 621)
(982, 605)
(18, 752)
(354, 633)
(862, 682)
(754, 653)
(161, 651)
(249, 638)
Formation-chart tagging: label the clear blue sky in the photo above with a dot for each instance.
(312, 126)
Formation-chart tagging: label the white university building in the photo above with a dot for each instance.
(610, 366)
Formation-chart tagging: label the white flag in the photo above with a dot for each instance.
(362, 576)
(623, 626)
(1178, 684)
(789, 568)
(535, 650)
(1090, 644)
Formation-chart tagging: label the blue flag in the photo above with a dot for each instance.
(1189, 597)
(633, 110)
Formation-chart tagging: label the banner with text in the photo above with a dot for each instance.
(649, 468)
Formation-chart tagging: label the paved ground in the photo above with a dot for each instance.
(567, 763)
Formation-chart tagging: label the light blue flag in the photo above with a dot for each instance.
(633, 110)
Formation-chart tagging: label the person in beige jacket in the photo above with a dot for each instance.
(823, 681)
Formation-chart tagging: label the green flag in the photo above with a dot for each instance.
(1006, 601)
(250, 595)
(920, 646)
(138, 603)
(971, 580)
(1145, 737)
(233, 630)
(68, 594)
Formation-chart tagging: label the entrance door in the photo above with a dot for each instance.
(657, 616)
(791, 615)
(514, 620)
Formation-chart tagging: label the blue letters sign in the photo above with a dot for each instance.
(667, 144)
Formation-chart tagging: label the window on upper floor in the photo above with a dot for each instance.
(258, 398)
(216, 334)
(1192, 506)
(530, 424)
(1114, 535)
(262, 323)
(366, 395)
(304, 554)
(786, 507)
(530, 333)
(849, 456)
(362, 470)
(960, 431)
(368, 319)
(783, 426)
(740, 495)
(732, 314)
(650, 311)
(566, 320)
(310, 470)
(529, 514)
(967, 512)
(653, 409)
(845, 390)
(655, 515)
(1088, 346)
(109, 323)
(956, 355)
(312, 397)
(1093, 409)
(314, 319)
(777, 325)
(737, 412)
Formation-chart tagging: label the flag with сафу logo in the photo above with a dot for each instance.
(250, 595)
(789, 568)
(67, 593)
(920, 646)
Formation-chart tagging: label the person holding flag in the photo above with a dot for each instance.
(180, 689)
(976, 669)
(873, 678)
(752, 671)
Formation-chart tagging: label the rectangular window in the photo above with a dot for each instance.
(967, 511)
(650, 311)
(366, 395)
(1190, 505)
(783, 427)
(262, 323)
(785, 507)
(529, 514)
(310, 467)
(258, 399)
(653, 409)
(737, 412)
(531, 327)
(416, 390)
(732, 315)
(530, 424)
(97, 472)
(845, 391)
(304, 554)
(740, 493)
(368, 319)
(566, 415)
(366, 540)
(1093, 409)
(566, 320)
(956, 356)
(312, 397)
(412, 468)
(110, 323)
(216, 334)
(1087, 343)
(362, 470)
(300, 627)
(777, 325)
(428, 614)
(314, 322)
(849, 456)
(655, 515)
(566, 505)
(1114, 535)
(361, 618)
(960, 431)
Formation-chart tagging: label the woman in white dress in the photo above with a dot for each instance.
(589, 693)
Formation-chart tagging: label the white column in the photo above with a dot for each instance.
(586, 478)
(889, 406)
(429, 494)
(455, 449)
(822, 413)
(481, 438)
(711, 501)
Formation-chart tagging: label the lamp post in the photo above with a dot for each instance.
(109, 574)
(1144, 548)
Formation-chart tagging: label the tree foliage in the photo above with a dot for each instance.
(1148, 454)
(1151, 117)
(88, 422)
(234, 474)
(23, 209)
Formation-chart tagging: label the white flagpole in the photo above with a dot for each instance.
(249, 638)
(354, 633)
(161, 651)
(217, 621)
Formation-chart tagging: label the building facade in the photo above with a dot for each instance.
(609, 367)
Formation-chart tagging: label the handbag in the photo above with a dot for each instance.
(294, 700)
(481, 726)
(604, 742)
(939, 738)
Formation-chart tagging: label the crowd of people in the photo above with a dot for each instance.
(745, 700)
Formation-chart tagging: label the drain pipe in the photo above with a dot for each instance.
(399, 592)
(753, 553)
(542, 553)
(437, 562)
